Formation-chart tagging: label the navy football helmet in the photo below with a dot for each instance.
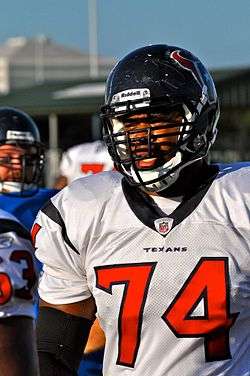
(159, 80)
(18, 129)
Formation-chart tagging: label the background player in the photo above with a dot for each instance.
(162, 254)
(22, 158)
(22, 161)
(18, 354)
(83, 160)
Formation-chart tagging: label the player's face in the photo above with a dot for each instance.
(162, 130)
(11, 168)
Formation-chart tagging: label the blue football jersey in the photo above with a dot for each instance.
(25, 209)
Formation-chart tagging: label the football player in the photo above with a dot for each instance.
(22, 161)
(160, 251)
(18, 355)
(83, 160)
(22, 158)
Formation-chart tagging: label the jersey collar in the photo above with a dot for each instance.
(150, 214)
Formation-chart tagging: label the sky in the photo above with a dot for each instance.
(217, 31)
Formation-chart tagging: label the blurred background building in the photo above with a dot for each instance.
(26, 62)
(55, 85)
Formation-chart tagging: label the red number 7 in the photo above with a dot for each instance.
(136, 279)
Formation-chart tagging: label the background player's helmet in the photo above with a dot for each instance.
(17, 128)
(159, 79)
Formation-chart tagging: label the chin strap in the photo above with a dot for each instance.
(163, 184)
(14, 187)
(10, 186)
(147, 176)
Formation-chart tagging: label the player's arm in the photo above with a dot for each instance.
(67, 309)
(62, 333)
(60, 182)
(65, 165)
(96, 340)
(18, 354)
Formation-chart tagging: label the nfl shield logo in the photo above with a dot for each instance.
(163, 225)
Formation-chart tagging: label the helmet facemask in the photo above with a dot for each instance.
(153, 155)
(23, 170)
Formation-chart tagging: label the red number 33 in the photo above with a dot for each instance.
(208, 281)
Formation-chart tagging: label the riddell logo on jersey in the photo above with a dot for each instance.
(164, 249)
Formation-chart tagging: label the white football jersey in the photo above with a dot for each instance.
(172, 290)
(85, 159)
(17, 273)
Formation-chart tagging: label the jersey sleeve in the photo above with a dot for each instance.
(18, 277)
(63, 277)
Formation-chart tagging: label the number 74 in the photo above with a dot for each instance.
(209, 281)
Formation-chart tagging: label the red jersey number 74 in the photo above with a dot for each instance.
(209, 281)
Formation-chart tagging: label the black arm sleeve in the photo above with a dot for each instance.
(61, 339)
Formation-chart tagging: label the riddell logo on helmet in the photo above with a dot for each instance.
(19, 135)
(133, 94)
(130, 94)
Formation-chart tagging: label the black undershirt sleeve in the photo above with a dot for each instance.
(61, 339)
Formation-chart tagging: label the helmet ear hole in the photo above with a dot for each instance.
(199, 142)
